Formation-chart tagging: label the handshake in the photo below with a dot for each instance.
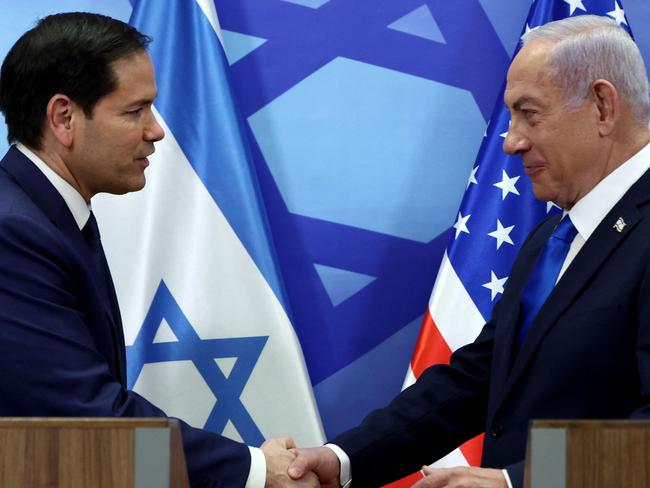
(288, 466)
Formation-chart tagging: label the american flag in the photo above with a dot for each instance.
(496, 214)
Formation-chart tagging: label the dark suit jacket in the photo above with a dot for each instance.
(587, 355)
(61, 341)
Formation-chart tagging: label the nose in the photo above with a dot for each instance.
(153, 131)
(515, 142)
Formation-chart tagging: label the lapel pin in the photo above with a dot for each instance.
(619, 225)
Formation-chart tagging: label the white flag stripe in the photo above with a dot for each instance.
(210, 12)
(410, 378)
(453, 459)
(459, 322)
(174, 231)
(452, 309)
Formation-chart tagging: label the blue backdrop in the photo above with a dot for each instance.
(364, 119)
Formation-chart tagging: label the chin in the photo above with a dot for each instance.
(542, 195)
(131, 187)
(137, 183)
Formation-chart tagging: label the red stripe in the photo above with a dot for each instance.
(430, 348)
(406, 482)
(472, 450)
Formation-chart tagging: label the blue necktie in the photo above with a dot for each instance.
(547, 269)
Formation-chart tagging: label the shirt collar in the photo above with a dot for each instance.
(590, 210)
(79, 209)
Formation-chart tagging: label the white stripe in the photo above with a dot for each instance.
(454, 458)
(452, 309)
(174, 231)
(451, 460)
(410, 378)
(211, 13)
(459, 322)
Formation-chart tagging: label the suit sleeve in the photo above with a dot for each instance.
(643, 347)
(445, 407)
(50, 363)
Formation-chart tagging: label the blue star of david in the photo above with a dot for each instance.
(202, 352)
(343, 28)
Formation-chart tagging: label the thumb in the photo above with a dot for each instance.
(287, 442)
(279, 442)
(302, 464)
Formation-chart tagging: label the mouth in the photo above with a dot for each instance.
(144, 160)
(533, 170)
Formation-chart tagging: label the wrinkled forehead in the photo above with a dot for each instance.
(530, 72)
(532, 62)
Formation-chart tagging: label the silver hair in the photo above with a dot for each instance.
(587, 48)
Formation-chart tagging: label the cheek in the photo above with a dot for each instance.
(123, 153)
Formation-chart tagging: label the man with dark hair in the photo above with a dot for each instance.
(77, 93)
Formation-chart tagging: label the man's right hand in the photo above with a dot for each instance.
(279, 456)
(320, 460)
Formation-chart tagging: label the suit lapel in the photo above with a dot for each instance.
(601, 244)
(510, 310)
(39, 189)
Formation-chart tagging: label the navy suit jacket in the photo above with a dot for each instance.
(61, 342)
(587, 355)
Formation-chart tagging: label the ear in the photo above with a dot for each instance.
(59, 118)
(607, 104)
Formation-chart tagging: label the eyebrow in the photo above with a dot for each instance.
(142, 101)
(522, 100)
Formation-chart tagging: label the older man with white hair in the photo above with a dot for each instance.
(570, 337)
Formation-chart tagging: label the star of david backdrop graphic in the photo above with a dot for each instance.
(361, 121)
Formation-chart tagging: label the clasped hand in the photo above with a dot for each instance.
(279, 454)
(325, 464)
(319, 466)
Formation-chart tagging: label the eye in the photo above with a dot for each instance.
(135, 111)
(531, 115)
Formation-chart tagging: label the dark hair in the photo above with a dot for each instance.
(69, 53)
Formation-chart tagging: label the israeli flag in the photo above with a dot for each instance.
(208, 335)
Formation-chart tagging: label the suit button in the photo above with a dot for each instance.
(496, 430)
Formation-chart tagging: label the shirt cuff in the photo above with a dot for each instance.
(257, 473)
(345, 474)
(505, 475)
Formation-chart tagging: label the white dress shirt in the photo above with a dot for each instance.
(79, 209)
(590, 210)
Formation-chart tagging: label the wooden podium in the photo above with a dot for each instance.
(91, 452)
(588, 454)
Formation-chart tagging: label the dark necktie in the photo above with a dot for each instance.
(105, 284)
(91, 232)
(547, 269)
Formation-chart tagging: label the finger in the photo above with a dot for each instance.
(310, 480)
(435, 477)
(285, 442)
(424, 483)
